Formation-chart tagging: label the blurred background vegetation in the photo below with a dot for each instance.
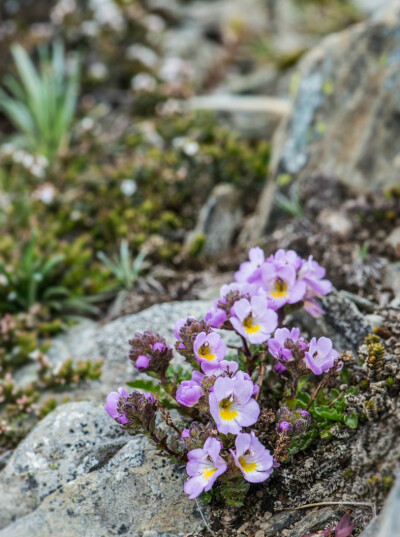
(103, 169)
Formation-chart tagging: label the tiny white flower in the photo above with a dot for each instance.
(128, 187)
(27, 161)
(90, 28)
(143, 54)
(143, 82)
(98, 71)
(191, 148)
(87, 123)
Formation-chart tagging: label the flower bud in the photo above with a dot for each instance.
(150, 352)
(186, 331)
(285, 426)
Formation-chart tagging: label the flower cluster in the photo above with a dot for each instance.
(292, 422)
(291, 350)
(150, 352)
(283, 278)
(222, 396)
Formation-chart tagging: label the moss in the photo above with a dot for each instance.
(197, 245)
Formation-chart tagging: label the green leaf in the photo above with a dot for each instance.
(302, 382)
(345, 376)
(328, 413)
(147, 385)
(326, 433)
(303, 399)
(351, 421)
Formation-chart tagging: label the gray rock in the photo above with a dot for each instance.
(394, 238)
(76, 474)
(336, 220)
(71, 441)
(313, 521)
(392, 278)
(342, 322)
(369, 6)
(388, 522)
(110, 342)
(218, 220)
(279, 522)
(343, 114)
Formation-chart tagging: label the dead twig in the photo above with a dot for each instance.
(261, 375)
(372, 505)
(204, 519)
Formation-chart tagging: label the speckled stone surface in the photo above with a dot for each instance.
(77, 475)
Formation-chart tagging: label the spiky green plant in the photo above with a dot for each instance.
(34, 280)
(124, 267)
(41, 104)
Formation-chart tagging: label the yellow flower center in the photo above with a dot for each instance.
(280, 289)
(205, 352)
(249, 325)
(247, 466)
(208, 473)
(225, 410)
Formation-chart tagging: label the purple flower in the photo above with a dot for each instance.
(209, 348)
(190, 391)
(277, 348)
(286, 257)
(312, 307)
(224, 367)
(178, 325)
(254, 320)
(150, 351)
(186, 331)
(216, 317)
(285, 426)
(185, 434)
(313, 274)
(142, 361)
(320, 356)
(149, 396)
(250, 271)
(204, 467)
(229, 294)
(254, 461)
(231, 403)
(344, 527)
(281, 284)
(111, 405)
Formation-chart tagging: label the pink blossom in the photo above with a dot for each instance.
(204, 467)
(111, 405)
(253, 319)
(209, 348)
(190, 391)
(252, 458)
(250, 271)
(231, 403)
(320, 356)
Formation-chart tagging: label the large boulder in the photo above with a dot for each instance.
(345, 115)
(77, 475)
(90, 340)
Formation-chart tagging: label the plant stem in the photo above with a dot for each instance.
(168, 420)
(246, 349)
(281, 317)
(314, 395)
(162, 445)
(261, 375)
